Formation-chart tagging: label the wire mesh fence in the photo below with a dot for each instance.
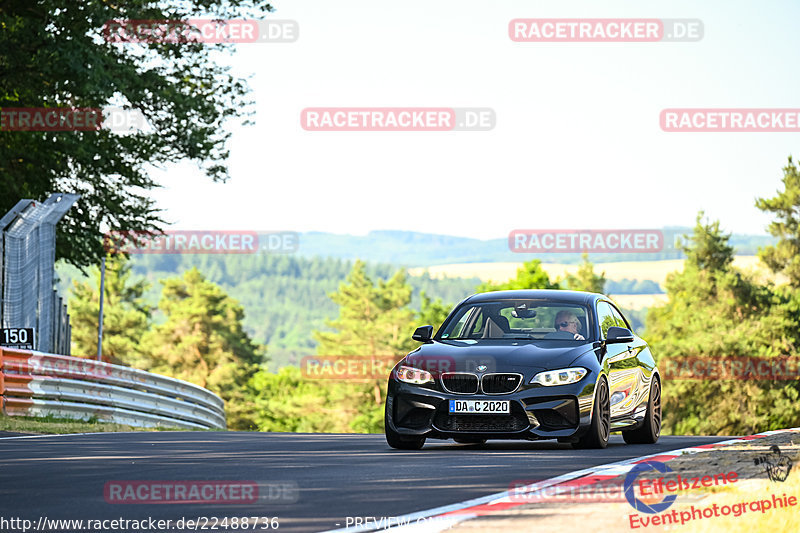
(27, 272)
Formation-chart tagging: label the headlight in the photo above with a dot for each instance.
(416, 376)
(564, 376)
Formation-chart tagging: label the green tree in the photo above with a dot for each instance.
(715, 310)
(375, 321)
(53, 54)
(126, 316)
(707, 247)
(288, 401)
(585, 279)
(785, 206)
(202, 341)
(530, 275)
(432, 312)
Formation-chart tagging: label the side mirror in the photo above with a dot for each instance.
(616, 335)
(423, 334)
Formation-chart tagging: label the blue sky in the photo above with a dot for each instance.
(577, 142)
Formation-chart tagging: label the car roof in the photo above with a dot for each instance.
(575, 297)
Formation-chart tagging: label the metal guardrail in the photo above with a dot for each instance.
(37, 384)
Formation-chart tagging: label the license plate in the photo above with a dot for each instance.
(480, 407)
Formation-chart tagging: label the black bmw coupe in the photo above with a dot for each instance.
(526, 364)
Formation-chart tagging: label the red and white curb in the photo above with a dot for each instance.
(442, 518)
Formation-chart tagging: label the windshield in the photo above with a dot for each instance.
(519, 320)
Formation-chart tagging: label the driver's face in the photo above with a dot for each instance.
(570, 324)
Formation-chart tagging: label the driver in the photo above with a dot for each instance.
(567, 321)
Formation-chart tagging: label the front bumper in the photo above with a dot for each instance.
(560, 412)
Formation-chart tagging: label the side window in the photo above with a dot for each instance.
(457, 329)
(618, 318)
(605, 317)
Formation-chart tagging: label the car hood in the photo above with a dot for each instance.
(497, 357)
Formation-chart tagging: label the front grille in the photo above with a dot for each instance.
(500, 383)
(460, 383)
(516, 421)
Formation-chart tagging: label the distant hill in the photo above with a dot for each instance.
(413, 249)
(285, 297)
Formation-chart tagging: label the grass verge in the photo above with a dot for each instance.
(50, 425)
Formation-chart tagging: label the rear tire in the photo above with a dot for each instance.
(650, 430)
(600, 428)
(398, 441)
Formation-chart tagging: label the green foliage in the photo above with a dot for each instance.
(53, 54)
(374, 320)
(530, 275)
(202, 341)
(126, 316)
(286, 297)
(287, 401)
(585, 279)
(432, 313)
(714, 310)
(707, 248)
(785, 206)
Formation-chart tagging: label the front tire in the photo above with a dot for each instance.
(600, 428)
(650, 430)
(398, 441)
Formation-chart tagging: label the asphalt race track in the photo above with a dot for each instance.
(337, 476)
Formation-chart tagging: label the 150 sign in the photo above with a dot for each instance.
(17, 338)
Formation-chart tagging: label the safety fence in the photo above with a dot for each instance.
(27, 270)
(39, 384)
